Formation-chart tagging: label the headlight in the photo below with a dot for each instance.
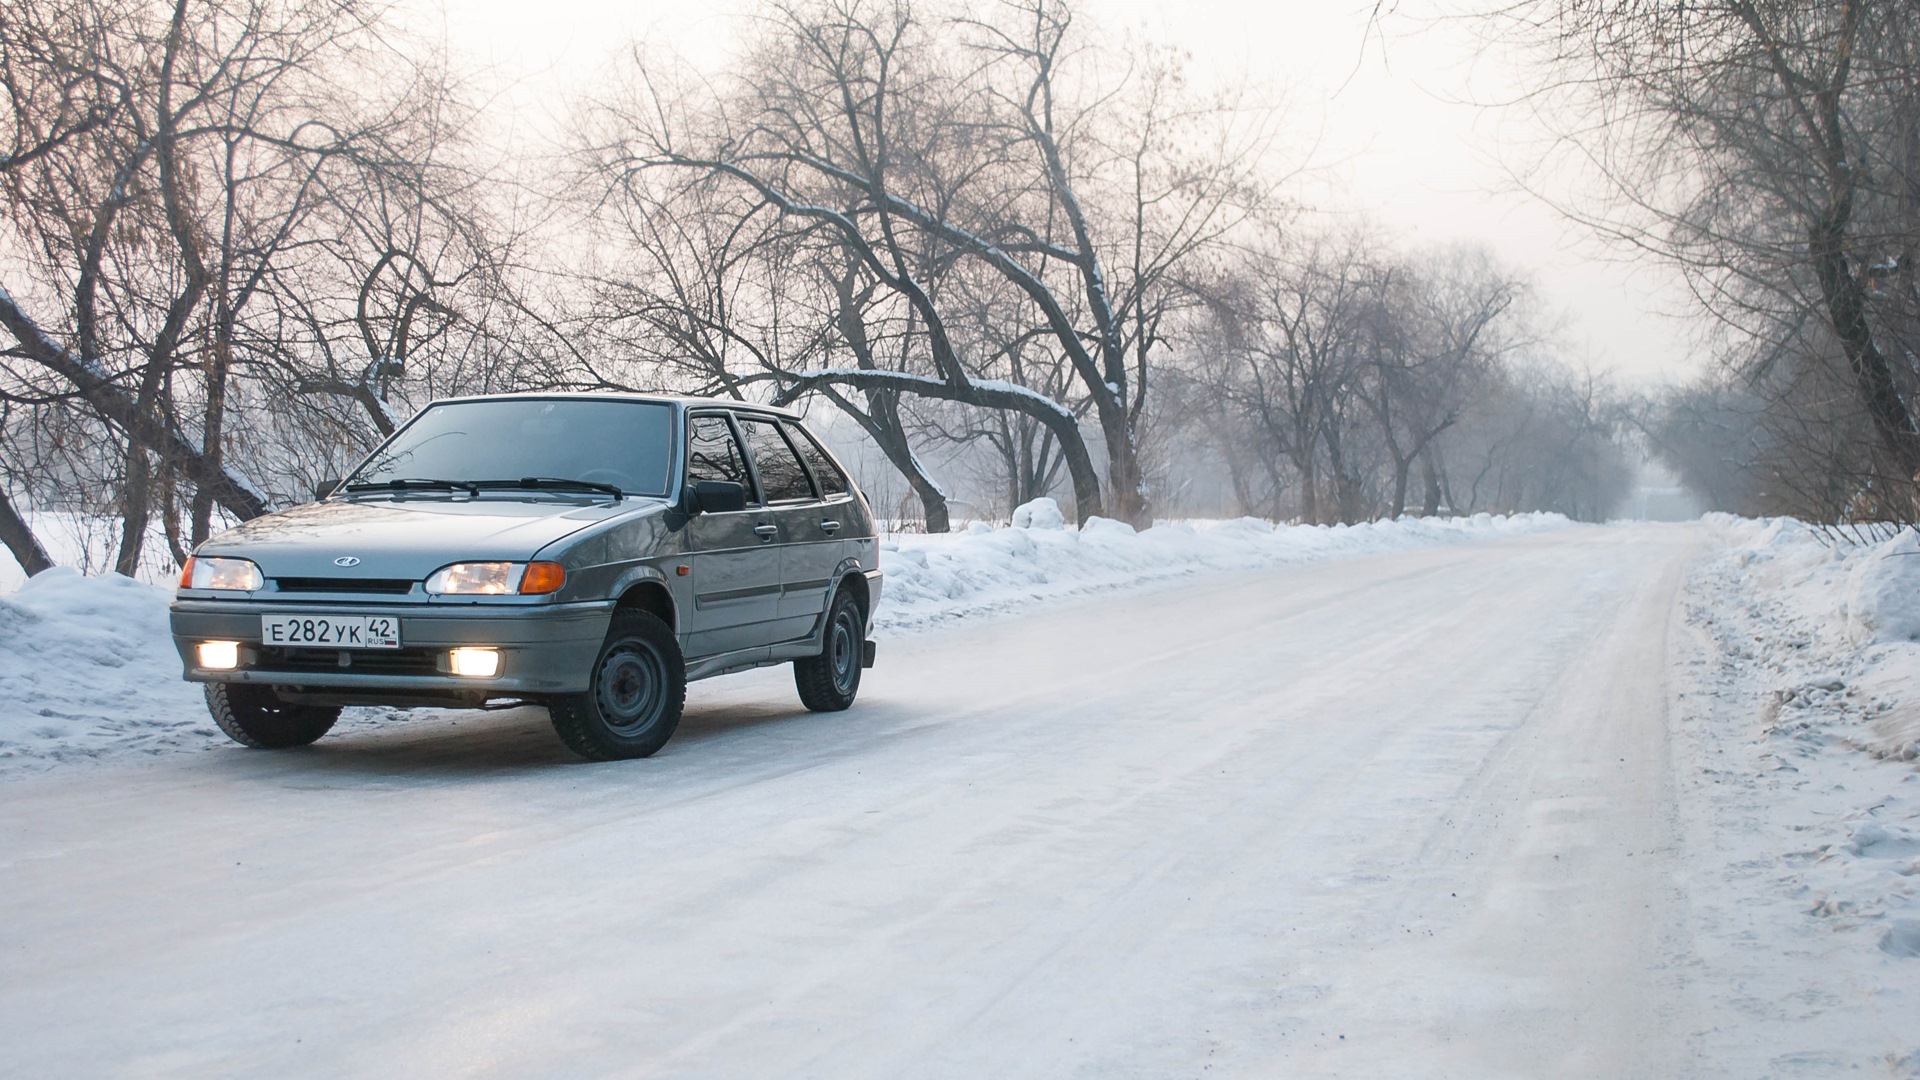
(497, 579)
(229, 575)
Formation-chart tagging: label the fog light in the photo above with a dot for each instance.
(474, 663)
(219, 655)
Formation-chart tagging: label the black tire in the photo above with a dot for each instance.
(829, 682)
(634, 696)
(255, 716)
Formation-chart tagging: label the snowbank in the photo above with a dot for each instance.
(1883, 592)
(1829, 615)
(1795, 734)
(87, 667)
(932, 578)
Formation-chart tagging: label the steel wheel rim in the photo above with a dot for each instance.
(631, 688)
(843, 656)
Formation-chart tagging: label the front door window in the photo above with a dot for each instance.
(735, 557)
(714, 454)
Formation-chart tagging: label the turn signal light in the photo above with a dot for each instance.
(542, 578)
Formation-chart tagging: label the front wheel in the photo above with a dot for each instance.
(634, 696)
(828, 682)
(255, 716)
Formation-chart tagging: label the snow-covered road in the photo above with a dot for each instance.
(1404, 815)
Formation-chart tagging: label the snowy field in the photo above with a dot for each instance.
(1479, 798)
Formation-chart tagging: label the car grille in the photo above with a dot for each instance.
(358, 661)
(384, 586)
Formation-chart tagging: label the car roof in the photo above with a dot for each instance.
(680, 400)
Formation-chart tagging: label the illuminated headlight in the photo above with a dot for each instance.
(219, 655)
(497, 579)
(473, 663)
(229, 575)
(476, 578)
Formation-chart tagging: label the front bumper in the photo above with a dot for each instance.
(544, 650)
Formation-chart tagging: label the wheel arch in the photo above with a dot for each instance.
(651, 595)
(852, 580)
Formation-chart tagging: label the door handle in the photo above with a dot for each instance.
(829, 526)
(766, 532)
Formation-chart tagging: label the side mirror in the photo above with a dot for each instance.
(324, 488)
(718, 497)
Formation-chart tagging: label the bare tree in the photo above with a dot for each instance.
(934, 165)
(1330, 366)
(210, 201)
(1770, 151)
(1435, 330)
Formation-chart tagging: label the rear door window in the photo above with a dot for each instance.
(782, 476)
(828, 476)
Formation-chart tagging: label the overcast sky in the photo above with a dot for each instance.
(1395, 142)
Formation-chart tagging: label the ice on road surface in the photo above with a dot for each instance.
(1454, 811)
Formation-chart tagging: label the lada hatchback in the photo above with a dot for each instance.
(591, 553)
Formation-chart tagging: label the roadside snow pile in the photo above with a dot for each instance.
(1798, 722)
(86, 666)
(1883, 592)
(932, 578)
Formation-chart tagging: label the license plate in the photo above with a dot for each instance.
(330, 631)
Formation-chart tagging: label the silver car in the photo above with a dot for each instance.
(591, 553)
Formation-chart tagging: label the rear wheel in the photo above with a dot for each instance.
(255, 716)
(634, 696)
(828, 682)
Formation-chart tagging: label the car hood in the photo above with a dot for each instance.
(410, 537)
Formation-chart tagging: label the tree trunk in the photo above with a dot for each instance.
(18, 536)
(1019, 466)
(892, 442)
(170, 515)
(133, 511)
(881, 418)
(1431, 475)
(1345, 494)
(1846, 310)
(1124, 480)
(1309, 492)
(933, 506)
(1402, 466)
(211, 446)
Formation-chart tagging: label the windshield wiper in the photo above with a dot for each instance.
(418, 483)
(549, 483)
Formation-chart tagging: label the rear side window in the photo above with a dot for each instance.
(831, 480)
(714, 454)
(781, 474)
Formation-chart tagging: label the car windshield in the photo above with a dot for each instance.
(625, 444)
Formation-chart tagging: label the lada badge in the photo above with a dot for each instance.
(347, 560)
